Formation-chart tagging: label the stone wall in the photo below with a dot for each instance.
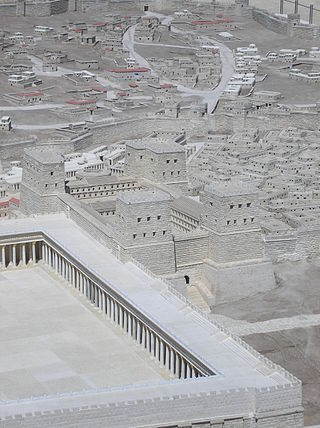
(242, 408)
(308, 241)
(280, 247)
(44, 8)
(8, 9)
(230, 123)
(235, 282)
(191, 249)
(269, 21)
(88, 219)
(137, 128)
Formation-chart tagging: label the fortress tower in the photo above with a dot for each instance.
(230, 215)
(42, 180)
(237, 266)
(157, 160)
(143, 229)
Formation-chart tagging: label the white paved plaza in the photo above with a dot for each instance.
(53, 341)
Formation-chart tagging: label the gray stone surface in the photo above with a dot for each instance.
(52, 341)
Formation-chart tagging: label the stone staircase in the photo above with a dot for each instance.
(195, 297)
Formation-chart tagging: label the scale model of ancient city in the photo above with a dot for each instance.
(159, 213)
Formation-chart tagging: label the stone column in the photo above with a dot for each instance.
(112, 310)
(183, 368)
(3, 256)
(134, 328)
(33, 252)
(108, 307)
(125, 321)
(172, 362)
(148, 339)
(23, 248)
(120, 316)
(49, 256)
(157, 348)
(188, 371)
(43, 251)
(177, 368)
(143, 341)
(167, 358)
(161, 352)
(14, 255)
(129, 324)
(152, 339)
(138, 332)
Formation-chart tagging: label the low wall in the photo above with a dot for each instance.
(88, 219)
(8, 9)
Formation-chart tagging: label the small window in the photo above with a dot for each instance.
(158, 217)
(51, 173)
(249, 204)
(144, 235)
(231, 207)
(244, 220)
(153, 233)
(168, 161)
(211, 204)
(240, 205)
(148, 218)
(252, 220)
(138, 219)
(175, 161)
(234, 221)
(228, 222)
(134, 236)
(163, 232)
(141, 157)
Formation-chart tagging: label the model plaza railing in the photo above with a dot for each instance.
(297, 4)
(155, 338)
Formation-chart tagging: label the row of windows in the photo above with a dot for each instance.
(240, 205)
(148, 218)
(86, 189)
(144, 235)
(245, 221)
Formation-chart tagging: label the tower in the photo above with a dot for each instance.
(237, 266)
(143, 229)
(42, 180)
(230, 215)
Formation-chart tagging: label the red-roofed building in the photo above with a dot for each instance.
(7, 205)
(30, 97)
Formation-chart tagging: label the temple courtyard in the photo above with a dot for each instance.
(52, 340)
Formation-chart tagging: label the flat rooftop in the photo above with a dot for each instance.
(56, 342)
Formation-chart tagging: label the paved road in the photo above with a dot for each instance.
(44, 106)
(210, 97)
(244, 328)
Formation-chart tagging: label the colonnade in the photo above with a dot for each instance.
(162, 351)
(19, 254)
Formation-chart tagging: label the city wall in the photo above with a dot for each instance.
(44, 8)
(137, 128)
(269, 21)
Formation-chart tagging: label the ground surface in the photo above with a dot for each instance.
(54, 341)
(284, 325)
